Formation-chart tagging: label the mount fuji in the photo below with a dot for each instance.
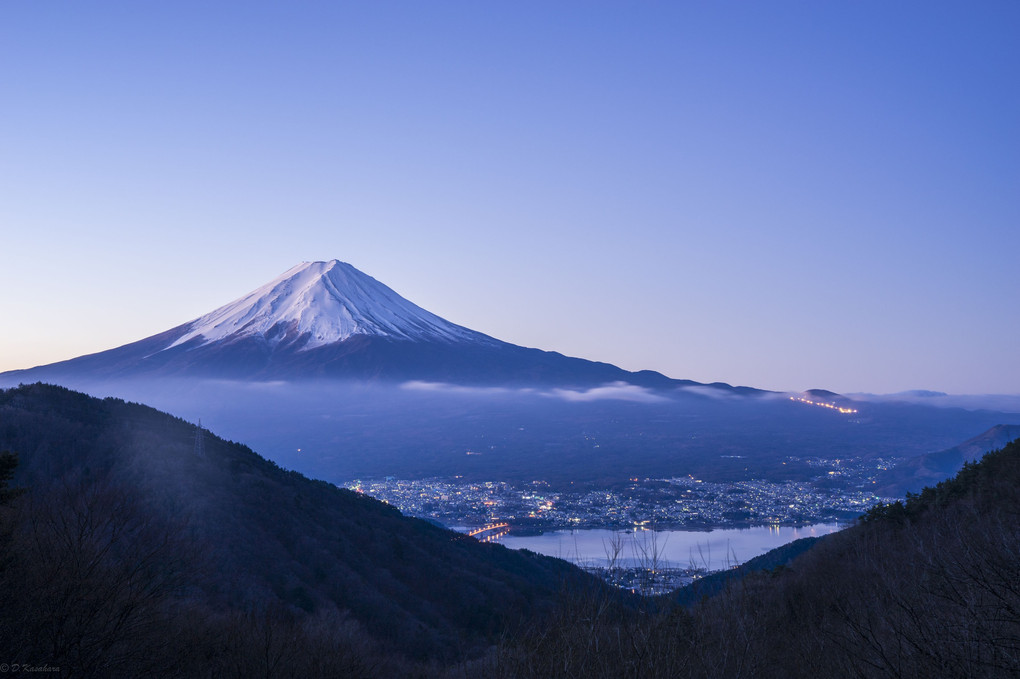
(331, 373)
(323, 320)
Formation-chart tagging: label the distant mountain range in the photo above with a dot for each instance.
(330, 320)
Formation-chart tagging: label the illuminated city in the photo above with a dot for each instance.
(840, 492)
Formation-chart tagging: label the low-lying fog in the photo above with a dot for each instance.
(341, 430)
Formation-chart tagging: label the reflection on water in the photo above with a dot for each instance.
(711, 550)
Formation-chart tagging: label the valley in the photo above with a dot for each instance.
(680, 502)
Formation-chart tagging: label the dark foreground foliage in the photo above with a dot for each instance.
(143, 546)
(926, 588)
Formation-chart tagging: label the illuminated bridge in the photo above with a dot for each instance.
(490, 532)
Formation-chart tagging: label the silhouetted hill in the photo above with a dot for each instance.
(927, 587)
(913, 474)
(191, 530)
(717, 582)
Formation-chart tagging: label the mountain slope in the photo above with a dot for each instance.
(913, 474)
(259, 537)
(329, 320)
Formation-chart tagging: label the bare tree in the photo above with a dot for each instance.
(94, 578)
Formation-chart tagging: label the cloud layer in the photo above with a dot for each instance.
(614, 391)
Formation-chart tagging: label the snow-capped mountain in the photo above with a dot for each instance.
(329, 320)
(320, 303)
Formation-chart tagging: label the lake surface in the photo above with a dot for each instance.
(712, 550)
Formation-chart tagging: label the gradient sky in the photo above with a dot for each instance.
(785, 195)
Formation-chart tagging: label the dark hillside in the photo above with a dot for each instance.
(925, 587)
(717, 582)
(929, 587)
(192, 525)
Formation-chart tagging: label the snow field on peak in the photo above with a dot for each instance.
(328, 302)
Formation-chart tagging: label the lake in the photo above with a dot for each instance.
(712, 550)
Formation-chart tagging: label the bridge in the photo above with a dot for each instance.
(490, 532)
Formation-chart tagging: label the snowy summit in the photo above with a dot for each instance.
(321, 303)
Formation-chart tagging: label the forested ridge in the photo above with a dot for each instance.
(143, 545)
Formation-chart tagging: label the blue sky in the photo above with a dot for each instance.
(785, 195)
